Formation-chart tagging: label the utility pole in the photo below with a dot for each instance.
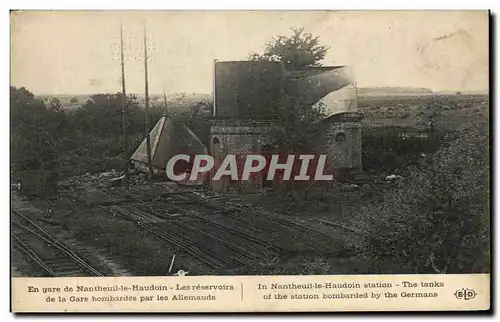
(214, 86)
(146, 123)
(355, 100)
(124, 113)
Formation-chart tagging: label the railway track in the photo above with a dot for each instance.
(308, 239)
(219, 234)
(166, 235)
(218, 246)
(259, 228)
(213, 250)
(195, 221)
(54, 257)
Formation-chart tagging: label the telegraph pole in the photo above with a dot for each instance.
(148, 140)
(124, 112)
(214, 88)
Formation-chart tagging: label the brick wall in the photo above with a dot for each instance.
(239, 138)
(343, 146)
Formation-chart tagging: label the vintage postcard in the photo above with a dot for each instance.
(249, 161)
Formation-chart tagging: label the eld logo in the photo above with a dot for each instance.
(465, 294)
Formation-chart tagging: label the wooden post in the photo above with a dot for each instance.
(124, 113)
(146, 123)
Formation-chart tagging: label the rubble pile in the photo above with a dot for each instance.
(89, 179)
(103, 180)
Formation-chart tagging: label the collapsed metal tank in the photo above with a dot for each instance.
(245, 89)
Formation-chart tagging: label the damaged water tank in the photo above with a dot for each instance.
(244, 89)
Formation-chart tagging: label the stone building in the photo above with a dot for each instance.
(244, 90)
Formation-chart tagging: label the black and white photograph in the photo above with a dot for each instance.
(230, 143)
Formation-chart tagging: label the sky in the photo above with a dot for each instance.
(77, 52)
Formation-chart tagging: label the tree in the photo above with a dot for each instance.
(74, 100)
(300, 125)
(299, 50)
(55, 104)
(102, 114)
(36, 133)
(300, 122)
(95, 142)
(23, 107)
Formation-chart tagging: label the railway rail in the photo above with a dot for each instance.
(166, 235)
(53, 256)
(218, 233)
(216, 245)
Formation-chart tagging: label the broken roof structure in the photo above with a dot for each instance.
(168, 138)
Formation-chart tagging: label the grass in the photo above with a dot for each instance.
(136, 249)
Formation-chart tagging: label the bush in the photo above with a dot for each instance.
(437, 219)
(390, 148)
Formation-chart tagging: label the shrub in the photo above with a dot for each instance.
(437, 219)
(390, 148)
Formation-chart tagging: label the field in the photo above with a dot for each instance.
(177, 103)
(315, 231)
(445, 111)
